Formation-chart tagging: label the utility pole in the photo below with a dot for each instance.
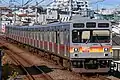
(1, 19)
(36, 14)
(70, 8)
(22, 3)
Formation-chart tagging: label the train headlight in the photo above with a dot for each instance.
(75, 49)
(106, 49)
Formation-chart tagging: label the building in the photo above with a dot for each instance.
(61, 9)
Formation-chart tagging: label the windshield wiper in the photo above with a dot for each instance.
(98, 40)
(88, 40)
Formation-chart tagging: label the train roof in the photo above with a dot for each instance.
(90, 20)
(78, 18)
(58, 24)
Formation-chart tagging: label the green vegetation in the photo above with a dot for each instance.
(8, 71)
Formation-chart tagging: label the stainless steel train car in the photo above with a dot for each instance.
(85, 42)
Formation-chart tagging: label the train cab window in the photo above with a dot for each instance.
(78, 25)
(103, 25)
(90, 24)
(85, 36)
(101, 36)
(76, 36)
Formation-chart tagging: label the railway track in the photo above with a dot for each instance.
(47, 77)
(9, 53)
(29, 76)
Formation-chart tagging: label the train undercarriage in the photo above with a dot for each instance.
(91, 65)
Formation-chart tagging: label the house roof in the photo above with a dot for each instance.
(5, 8)
(9, 15)
(25, 15)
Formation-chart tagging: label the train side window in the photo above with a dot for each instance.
(58, 37)
(50, 36)
(39, 35)
(61, 37)
(24, 34)
(43, 33)
(21, 33)
(55, 37)
(28, 34)
(32, 35)
(36, 33)
(90, 24)
(66, 40)
(47, 35)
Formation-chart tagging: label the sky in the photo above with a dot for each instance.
(104, 4)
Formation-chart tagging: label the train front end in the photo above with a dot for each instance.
(90, 46)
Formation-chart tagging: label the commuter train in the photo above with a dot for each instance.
(86, 43)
